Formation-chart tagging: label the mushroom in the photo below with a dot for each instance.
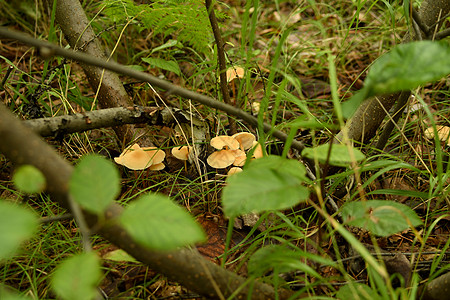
(181, 153)
(245, 139)
(137, 158)
(235, 72)
(224, 142)
(221, 159)
(257, 152)
(234, 170)
(442, 131)
(240, 159)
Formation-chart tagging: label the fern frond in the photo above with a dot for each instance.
(187, 20)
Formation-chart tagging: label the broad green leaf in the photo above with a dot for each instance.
(351, 105)
(168, 65)
(168, 44)
(119, 255)
(408, 66)
(5, 295)
(405, 67)
(279, 258)
(95, 183)
(29, 179)
(380, 217)
(339, 155)
(76, 278)
(17, 224)
(158, 223)
(357, 291)
(268, 183)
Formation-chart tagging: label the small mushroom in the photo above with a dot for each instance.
(245, 139)
(134, 158)
(224, 142)
(221, 159)
(137, 158)
(234, 170)
(235, 72)
(156, 154)
(157, 167)
(181, 153)
(258, 152)
(241, 157)
(442, 131)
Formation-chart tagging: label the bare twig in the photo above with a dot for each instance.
(47, 50)
(109, 117)
(221, 59)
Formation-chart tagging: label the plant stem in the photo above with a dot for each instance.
(221, 60)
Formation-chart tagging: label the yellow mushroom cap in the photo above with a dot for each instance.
(222, 141)
(221, 159)
(258, 153)
(137, 158)
(134, 158)
(234, 170)
(157, 156)
(240, 158)
(442, 131)
(182, 153)
(235, 72)
(157, 167)
(245, 139)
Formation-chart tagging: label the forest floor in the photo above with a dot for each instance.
(355, 38)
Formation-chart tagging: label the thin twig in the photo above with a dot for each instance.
(221, 59)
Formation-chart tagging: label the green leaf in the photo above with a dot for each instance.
(408, 66)
(29, 179)
(156, 222)
(119, 255)
(76, 278)
(351, 105)
(380, 217)
(404, 68)
(5, 295)
(168, 65)
(357, 291)
(168, 44)
(95, 183)
(268, 183)
(339, 155)
(17, 224)
(279, 258)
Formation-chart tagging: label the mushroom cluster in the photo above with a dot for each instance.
(443, 133)
(231, 150)
(137, 158)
